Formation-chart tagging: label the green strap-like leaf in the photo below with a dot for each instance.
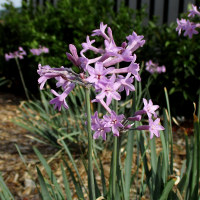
(4, 191)
(66, 184)
(76, 184)
(44, 191)
(49, 172)
(168, 187)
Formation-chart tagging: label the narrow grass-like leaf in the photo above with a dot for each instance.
(50, 173)
(165, 158)
(1, 196)
(3, 81)
(103, 181)
(158, 183)
(110, 188)
(66, 184)
(196, 157)
(4, 191)
(128, 164)
(76, 184)
(153, 155)
(168, 187)
(73, 163)
(170, 129)
(97, 190)
(143, 152)
(44, 191)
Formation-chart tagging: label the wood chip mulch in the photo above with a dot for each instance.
(16, 174)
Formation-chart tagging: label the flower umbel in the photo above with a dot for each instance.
(100, 73)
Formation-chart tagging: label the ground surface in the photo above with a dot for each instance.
(12, 168)
(14, 171)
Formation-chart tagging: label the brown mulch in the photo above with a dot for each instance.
(12, 168)
(16, 174)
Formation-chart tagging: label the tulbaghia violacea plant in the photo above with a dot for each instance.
(15, 55)
(188, 26)
(153, 68)
(101, 74)
(108, 81)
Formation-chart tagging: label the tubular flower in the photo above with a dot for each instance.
(188, 26)
(98, 127)
(100, 73)
(16, 54)
(39, 51)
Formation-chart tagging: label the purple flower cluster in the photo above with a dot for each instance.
(21, 53)
(154, 125)
(39, 51)
(101, 73)
(16, 54)
(188, 26)
(154, 68)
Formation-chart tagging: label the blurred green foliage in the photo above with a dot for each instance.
(180, 56)
(72, 20)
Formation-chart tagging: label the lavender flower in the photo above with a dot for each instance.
(39, 51)
(114, 121)
(126, 83)
(101, 31)
(149, 108)
(188, 26)
(155, 127)
(190, 29)
(193, 11)
(154, 68)
(88, 46)
(135, 41)
(60, 98)
(16, 54)
(80, 62)
(109, 90)
(98, 126)
(99, 72)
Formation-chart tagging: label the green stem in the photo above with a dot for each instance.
(90, 166)
(22, 78)
(114, 166)
(129, 156)
(115, 153)
(42, 60)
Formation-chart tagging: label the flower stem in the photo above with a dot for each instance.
(22, 79)
(114, 170)
(129, 156)
(90, 166)
(115, 154)
(42, 60)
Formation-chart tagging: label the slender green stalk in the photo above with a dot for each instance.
(170, 129)
(42, 60)
(114, 167)
(129, 156)
(115, 154)
(90, 166)
(22, 79)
